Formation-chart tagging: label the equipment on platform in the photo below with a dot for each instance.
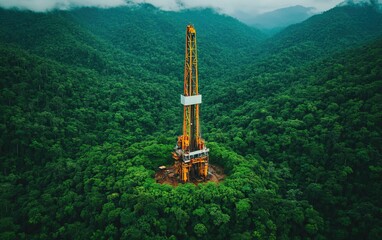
(190, 153)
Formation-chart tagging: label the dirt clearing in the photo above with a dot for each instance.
(166, 175)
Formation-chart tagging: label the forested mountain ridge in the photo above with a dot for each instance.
(322, 123)
(278, 19)
(340, 27)
(321, 35)
(44, 34)
(299, 139)
(120, 39)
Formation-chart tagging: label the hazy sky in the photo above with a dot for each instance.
(231, 7)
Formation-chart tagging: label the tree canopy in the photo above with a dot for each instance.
(89, 111)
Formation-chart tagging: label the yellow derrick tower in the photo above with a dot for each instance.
(190, 153)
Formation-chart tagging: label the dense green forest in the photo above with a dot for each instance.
(89, 109)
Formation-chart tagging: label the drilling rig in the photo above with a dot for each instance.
(190, 152)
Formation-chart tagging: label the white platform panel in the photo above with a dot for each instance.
(191, 100)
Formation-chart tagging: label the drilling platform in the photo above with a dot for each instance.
(190, 152)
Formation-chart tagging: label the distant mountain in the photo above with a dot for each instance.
(279, 18)
(375, 3)
(334, 30)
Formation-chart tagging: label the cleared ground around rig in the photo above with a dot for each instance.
(167, 176)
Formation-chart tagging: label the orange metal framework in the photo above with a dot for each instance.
(191, 154)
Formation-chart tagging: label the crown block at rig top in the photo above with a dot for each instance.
(190, 153)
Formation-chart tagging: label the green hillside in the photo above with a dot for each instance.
(335, 29)
(52, 36)
(321, 124)
(321, 35)
(89, 110)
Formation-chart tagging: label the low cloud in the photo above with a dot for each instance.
(233, 6)
(45, 5)
(224, 6)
